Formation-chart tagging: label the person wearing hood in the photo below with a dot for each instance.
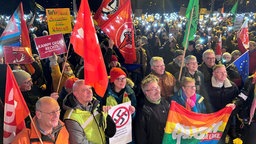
(85, 122)
(166, 80)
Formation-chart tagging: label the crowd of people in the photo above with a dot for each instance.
(67, 111)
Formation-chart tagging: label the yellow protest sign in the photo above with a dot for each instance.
(59, 20)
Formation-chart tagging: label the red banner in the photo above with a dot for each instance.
(106, 10)
(85, 43)
(120, 29)
(47, 45)
(17, 55)
(15, 110)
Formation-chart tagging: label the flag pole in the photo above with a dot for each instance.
(186, 42)
(237, 58)
(33, 124)
(65, 60)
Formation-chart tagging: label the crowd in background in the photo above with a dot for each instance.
(161, 69)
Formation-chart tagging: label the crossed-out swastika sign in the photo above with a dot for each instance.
(121, 116)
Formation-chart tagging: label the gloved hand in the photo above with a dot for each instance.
(53, 59)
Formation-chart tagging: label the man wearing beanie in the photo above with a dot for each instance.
(174, 66)
(23, 79)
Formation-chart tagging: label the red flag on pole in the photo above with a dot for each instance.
(106, 10)
(243, 37)
(218, 48)
(85, 42)
(15, 108)
(119, 28)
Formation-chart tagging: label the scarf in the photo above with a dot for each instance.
(190, 103)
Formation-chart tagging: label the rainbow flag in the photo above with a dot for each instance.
(186, 127)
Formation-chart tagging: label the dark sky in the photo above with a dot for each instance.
(149, 6)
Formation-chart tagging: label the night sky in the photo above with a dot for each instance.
(150, 6)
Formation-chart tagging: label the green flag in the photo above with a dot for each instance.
(192, 14)
(233, 11)
(234, 8)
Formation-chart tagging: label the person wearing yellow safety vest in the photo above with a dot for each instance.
(85, 123)
(119, 91)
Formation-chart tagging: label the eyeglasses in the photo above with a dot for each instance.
(51, 113)
(28, 82)
(153, 89)
(191, 87)
(221, 72)
(121, 79)
(159, 66)
(210, 58)
(193, 63)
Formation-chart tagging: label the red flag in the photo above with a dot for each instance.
(106, 10)
(218, 48)
(243, 37)
(120, 29)
(87, 46)
(15, 109)
(16, 32)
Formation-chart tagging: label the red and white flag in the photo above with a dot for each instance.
(86, 44)
(15, 108)
(119, 28)
(243, 37)
(218, 49)
(106, 10)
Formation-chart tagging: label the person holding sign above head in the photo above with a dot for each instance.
(151, 117)
(85, 122)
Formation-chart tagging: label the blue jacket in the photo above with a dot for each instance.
(199, 105)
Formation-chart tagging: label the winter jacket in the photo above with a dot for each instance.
(150, 122)
(29, 136)
(76, 114)
(166, 82)
(199, 104)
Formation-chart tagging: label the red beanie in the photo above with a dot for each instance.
(115, 72)
(113, 58)
(69, 82)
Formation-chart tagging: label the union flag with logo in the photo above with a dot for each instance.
(119, 28)
(106, 10)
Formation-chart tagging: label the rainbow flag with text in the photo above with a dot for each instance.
(186, 127)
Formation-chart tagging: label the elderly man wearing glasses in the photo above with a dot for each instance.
(166, 80)
(48, 128)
